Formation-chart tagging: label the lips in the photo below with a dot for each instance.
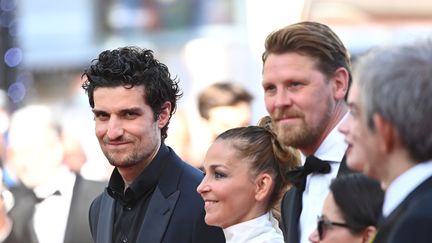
(209, 203)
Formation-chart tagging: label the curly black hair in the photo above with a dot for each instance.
(133, 66)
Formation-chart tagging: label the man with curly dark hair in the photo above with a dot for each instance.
(151, 193)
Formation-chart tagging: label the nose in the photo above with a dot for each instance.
(344, 127)
(115, 129)
(313, 237)
(203, 186)
(282, 98)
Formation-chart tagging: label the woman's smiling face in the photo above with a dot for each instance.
(228, 188)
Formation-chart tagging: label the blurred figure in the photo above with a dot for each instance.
(225, 105)
(389, 133)
(245, 177)
(52, 202)
(351, 211)
(74, 156)
(4, 123)
(82, 150)
(222, 106)
(151, 194)
(306, 74)
(180, 137)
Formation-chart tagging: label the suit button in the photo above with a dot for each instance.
(124, 239)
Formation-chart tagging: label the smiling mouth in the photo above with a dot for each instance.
(209, 203)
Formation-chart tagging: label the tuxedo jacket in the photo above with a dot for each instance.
(175, 213)
(77, 229)
(291, 209)
(411, 221)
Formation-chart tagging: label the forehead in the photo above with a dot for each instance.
(290, 63)
(110, 97)
(222, 152)
(354, 95)
(330, 208)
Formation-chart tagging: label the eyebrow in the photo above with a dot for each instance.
(133, 109)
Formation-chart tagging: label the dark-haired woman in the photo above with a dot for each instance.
(351, 211)
(244, 180)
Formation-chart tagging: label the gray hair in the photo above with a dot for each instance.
(396, 82)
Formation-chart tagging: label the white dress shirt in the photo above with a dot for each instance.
(404, 185)
(317, 185)
(263, 229)
(51, 215)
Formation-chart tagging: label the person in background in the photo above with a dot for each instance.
(225, 105)
(306, 74)
(50, 201)
(221, 105)
(389, 131)
(151, 194)
(245, 171)
(351, 210)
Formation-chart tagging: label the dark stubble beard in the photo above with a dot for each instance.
(130, 160)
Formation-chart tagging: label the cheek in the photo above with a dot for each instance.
(100, 131)
(268, 101)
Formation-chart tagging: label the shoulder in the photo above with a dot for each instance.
(414, 225)
(186, 173)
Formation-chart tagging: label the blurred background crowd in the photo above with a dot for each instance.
(46, 44)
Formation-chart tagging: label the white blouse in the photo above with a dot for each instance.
(263, 229)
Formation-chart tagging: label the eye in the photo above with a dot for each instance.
(353, 111)
(294, 85)
(130, 115)
(101, 116)
(219, 175)
(269, 89)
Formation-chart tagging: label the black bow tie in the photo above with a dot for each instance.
(312, 165)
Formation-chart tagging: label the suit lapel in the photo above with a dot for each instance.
(163, 200)
(293, 198)
(343, 168)
(389, 223)
(157, 217)
(106, 220)
(293, 202)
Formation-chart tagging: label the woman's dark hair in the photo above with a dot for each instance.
(266, 154)
(359, 199)
(129, 67)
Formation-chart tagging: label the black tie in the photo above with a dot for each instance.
(312, 165)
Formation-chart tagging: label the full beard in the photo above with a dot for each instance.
(302, 135)
(298, 136)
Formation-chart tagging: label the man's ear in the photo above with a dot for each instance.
(386, 132)
(340, 83)
(264, 186)
(368, 234)
(164, 115)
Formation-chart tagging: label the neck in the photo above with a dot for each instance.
(338, 113)
(131, 172)
(398, 163)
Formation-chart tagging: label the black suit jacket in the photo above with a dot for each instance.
(77, 229)
(411, 221)
(175, 213)
(290, 213)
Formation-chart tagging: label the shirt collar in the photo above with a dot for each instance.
(403, 185)
(61, 182)
(333, 146)
(144, 183)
